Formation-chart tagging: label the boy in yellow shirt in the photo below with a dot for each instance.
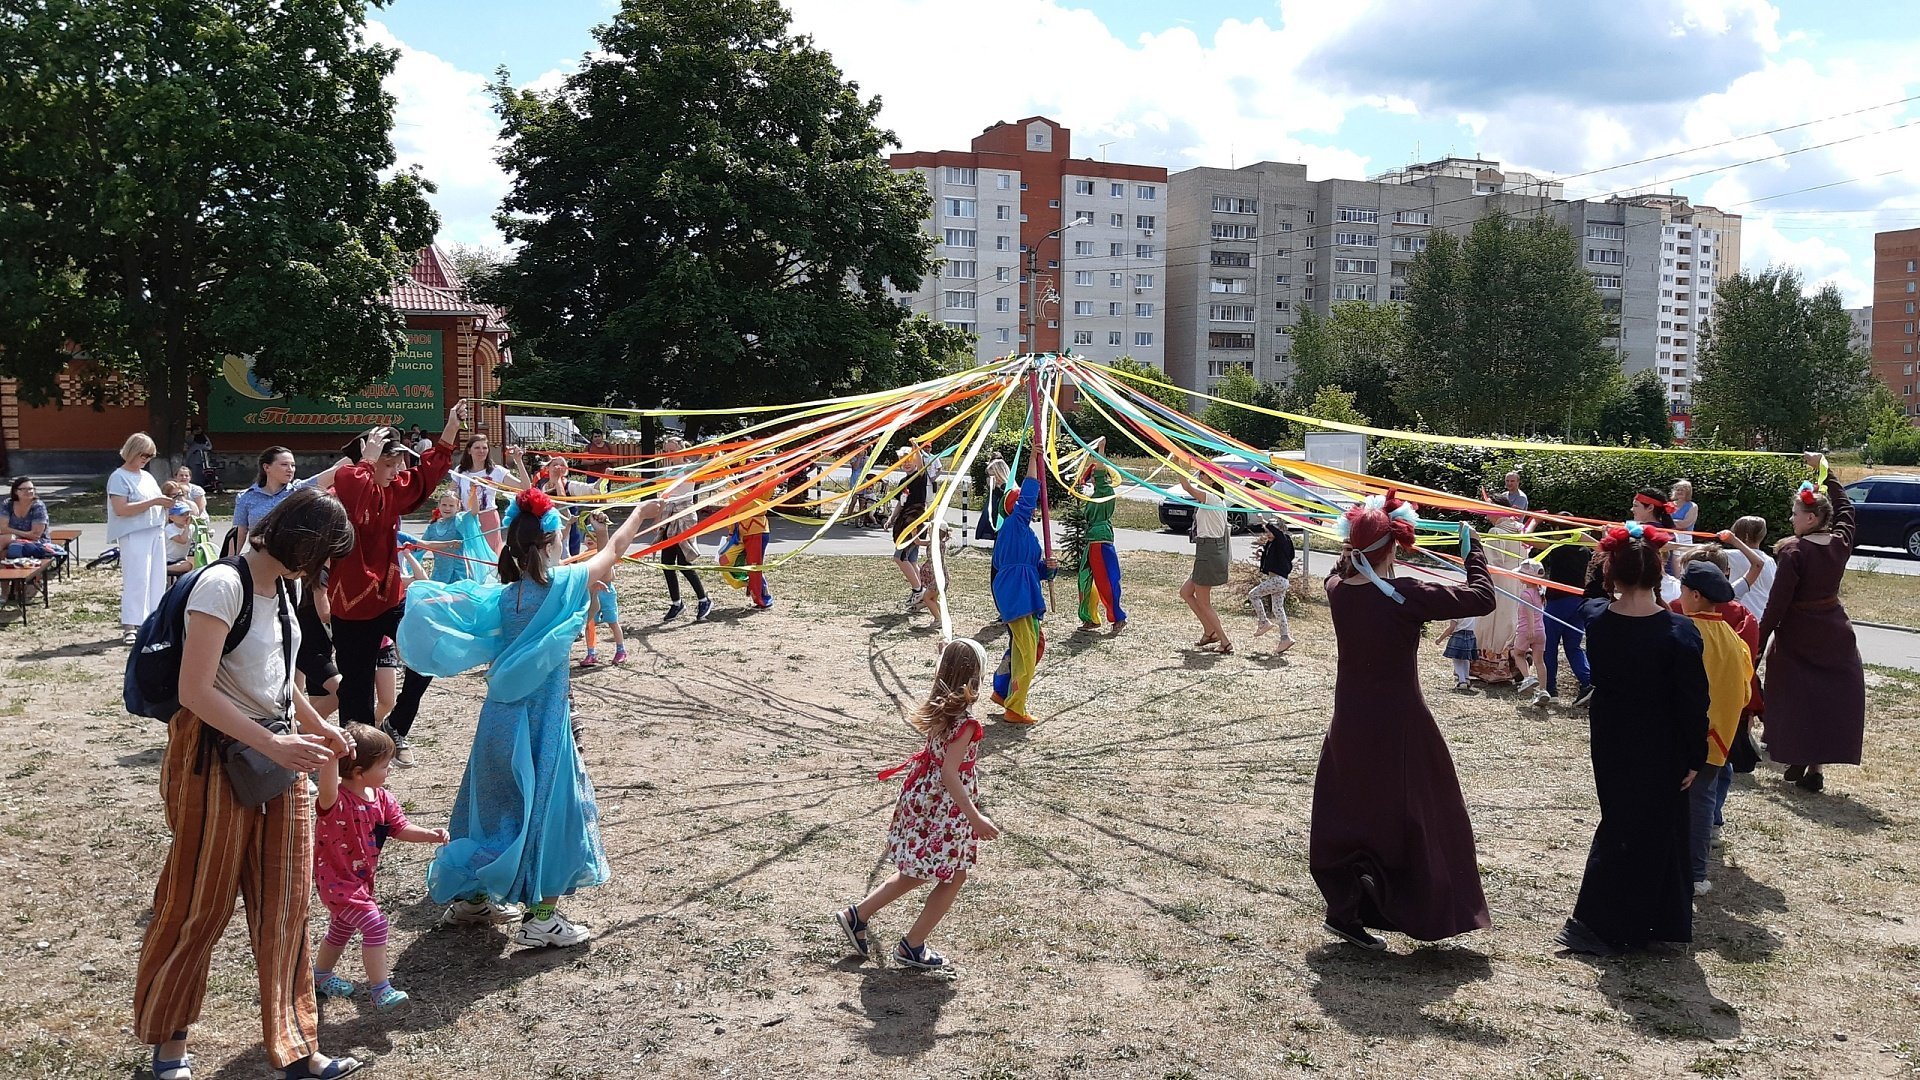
(1703, 588)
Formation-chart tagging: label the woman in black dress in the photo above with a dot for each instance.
(1648, 727)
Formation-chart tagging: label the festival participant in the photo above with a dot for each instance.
(937, 822)
(525, 827)
(1704, 590)
(1211, 556)
(1568, 563)
(1650, 507)
(364, 589)
(1750, 569)
(271, 486)
(906, 524)
(1100, 563)
(553, 477)
(136, 522)
(193, 493)
(443, 538)
(1018, 569)
(221, 848)
(1530, 632)
(357, 815)
(1815, 688)
(1496, 632)
(1686, 512)
(27, 523)
(478, 478)
(677, 505)
(1276, 573)
(603, 607)
(1389, 844)
(998, 473)
(1648, 724)
(1516, 498)
(753, 553)
(199, 455)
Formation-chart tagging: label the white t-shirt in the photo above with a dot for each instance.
(1208, 523)
(253, 676)
(489, 493)
(1756, 595)
(136, 485)
(179, 542)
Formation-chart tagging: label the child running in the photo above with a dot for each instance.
(1530, 632)
(525, 827)
(937, 823)
(1269, 598)
(603, 609)
(357, 815)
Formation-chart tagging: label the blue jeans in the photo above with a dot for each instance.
(1722, 783)
(1702, 798)
(1561, 611)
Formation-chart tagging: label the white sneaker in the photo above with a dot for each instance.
(555, 931)
(1540, 698)
(1527, 684)
(1702, 888)
(915, 598)
(471, 913)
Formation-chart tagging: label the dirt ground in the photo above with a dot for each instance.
(1148, 912)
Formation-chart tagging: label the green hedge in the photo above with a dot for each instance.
(1601, 485)
(1898, 447)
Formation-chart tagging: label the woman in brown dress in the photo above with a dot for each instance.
(1815, 690)
(1390, 845)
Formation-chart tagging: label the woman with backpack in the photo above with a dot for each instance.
(244, 728)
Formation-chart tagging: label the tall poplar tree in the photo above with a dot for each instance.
(181, 180)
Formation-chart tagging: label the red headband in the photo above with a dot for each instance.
(1648, 500)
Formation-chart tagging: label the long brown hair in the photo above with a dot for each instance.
(305, 532)
(956, 686)
(523, 554)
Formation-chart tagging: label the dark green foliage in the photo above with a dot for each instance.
(1636, 412)
(1252, 428)
(1503, 331)
(1891, 437)
(1359, 348)
(705, 219)
(184, 181)
(1600, 485)
(1779, 371)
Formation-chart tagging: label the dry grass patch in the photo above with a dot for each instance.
(1148, 913)
(1881, 598)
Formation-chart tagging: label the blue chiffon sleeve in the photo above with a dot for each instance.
(451, 628)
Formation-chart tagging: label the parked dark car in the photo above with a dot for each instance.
(1178, 517)
(1888, 509)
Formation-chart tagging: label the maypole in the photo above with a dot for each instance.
(1038, 448)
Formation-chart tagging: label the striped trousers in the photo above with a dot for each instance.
(1100, 585)
(222, 850)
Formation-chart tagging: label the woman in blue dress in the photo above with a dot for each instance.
(525, 828)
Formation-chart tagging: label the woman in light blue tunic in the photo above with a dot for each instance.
(525, 828)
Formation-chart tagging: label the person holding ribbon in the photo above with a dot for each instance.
(1018, 569)
(1390, 845)
(1100, 562)
(1648, 725)
(1815, 688)
(525, 826)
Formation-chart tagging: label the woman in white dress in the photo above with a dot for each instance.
(136, 522)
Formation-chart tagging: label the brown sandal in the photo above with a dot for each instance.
(1205, 641)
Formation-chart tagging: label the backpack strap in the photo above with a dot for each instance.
(242, 622)
(280, 590)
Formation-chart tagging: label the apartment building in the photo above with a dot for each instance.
(1860, 335)
(1699, 247)
(1251, 248)
(1042, 251)
(1896, 292)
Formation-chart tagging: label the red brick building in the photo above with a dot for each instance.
(1896, 315)
(454, 347)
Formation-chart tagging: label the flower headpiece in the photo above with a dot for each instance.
(536, 502)
(1657, 504)
(1379, 520)
(1619, 536)
(1805, 494)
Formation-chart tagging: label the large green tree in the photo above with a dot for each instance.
(1252, 428)
(1779, 370)
(1359, 346)
(705, 219)
(185, 179)
(1503, 331)
(1636, 411)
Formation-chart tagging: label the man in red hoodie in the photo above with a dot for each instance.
(364, 589)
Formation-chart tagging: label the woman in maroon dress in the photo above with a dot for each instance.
(1390, 845)
(1815, 690)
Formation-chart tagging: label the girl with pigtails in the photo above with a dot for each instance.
(525, 828)
(1390, 845)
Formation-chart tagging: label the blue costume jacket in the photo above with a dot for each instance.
(1018, 563)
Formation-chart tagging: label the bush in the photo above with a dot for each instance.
(1600, 486)
(1894, 447)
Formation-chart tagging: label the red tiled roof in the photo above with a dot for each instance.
(412, 295)
(432, 267)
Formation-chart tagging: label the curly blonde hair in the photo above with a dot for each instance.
(956, 686)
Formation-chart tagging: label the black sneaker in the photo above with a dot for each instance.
(674, 611)
(1356, 935)
(703, 609)
(1575, 936)
(1584, 696)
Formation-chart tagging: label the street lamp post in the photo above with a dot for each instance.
(1033, 283)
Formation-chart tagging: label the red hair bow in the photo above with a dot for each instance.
(1805, 494)
(534, 501)
(1619, 536)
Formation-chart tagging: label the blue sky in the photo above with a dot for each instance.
(1555, 86)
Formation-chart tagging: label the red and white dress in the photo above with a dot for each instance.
(930, 838)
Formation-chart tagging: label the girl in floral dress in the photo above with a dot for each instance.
(937, 824)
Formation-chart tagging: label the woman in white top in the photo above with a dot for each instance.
(477, 478)
(1210, 559)
(224, 848)
(1751, 569)
(136, 522)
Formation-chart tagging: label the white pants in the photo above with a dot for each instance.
(1271, 592)
(143, 573)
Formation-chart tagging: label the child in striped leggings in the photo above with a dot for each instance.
(357, 816)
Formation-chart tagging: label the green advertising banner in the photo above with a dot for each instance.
(237, 401)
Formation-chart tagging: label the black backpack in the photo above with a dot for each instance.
(152, 685)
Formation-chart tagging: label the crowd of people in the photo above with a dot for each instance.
(1664, 653)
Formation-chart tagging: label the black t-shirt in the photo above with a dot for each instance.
(1276, 556)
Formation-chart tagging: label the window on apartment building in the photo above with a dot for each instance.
(1053, 264)
(1083, 187)
(1222, 231)
(1117, 221)
(1602, 231)
(1053, 204)
(1909, 307)
(1356, 266)
(1398, 270)
(1002, 212)
(1286, 226)
(1143, 251)
(961, 268)
(1219, 369)
(1309, 217)
(1356, 239)
(1910, 287)
(1283, 279)
(1356, 291)
(1083, 337)
(1083, 217)
(1283, 253)
(1083, 277)
(960, 300)
(1113, 337)
(1227, 285)
(1311, 241)
(1001, 335)
(1229, 204)
(1606, 281)
(1003, 303)
(963, 177)
(1143, 311)
(1908, 330)
(963, 327)
(1002, 243)
(1053, 324)
(1116, 191)
(1142, 340)
(1117, 251)
(1023, 218)
(1004, 273)
(1230, 312)
(1145, 221)
(1223, 339)
(1143, 281)
(961, 237)
(1605, 256)
(959, 208)
(1910, 265)
(1356, 213)
(1230, 258)
(1413, 217)
(1307, 293)
(1116, 280)
(1083, 247)
(1309, 267)
(1003, 181)
(1146, 191)
(1410, 243)
(1116, 308)
(1399, 292)
(1283, 305)
(1083, 307)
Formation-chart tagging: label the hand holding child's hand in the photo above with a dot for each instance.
(985, 829)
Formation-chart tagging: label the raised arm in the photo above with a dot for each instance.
(1754, 563)
(1432, 601)
(600, 566)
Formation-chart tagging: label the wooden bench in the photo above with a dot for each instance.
(70, 540)
(18, 582)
